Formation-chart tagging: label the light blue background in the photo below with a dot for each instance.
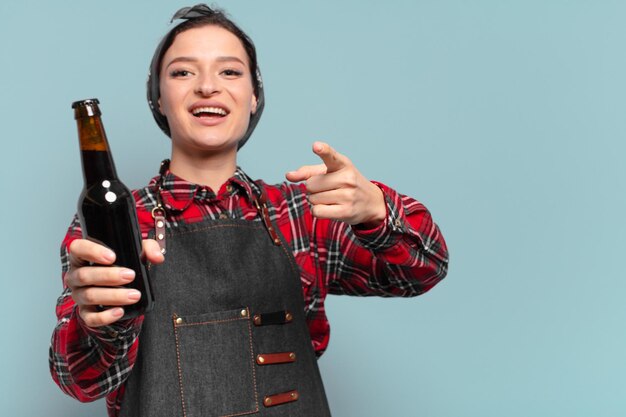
(506, 118)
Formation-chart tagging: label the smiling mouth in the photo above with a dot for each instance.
(209, 112)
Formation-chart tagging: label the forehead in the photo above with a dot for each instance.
(208, 41)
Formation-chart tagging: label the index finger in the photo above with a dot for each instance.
(333, 160)
(83, 251)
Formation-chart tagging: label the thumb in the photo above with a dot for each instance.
(305, 172)
(151, 251)
(333, 160)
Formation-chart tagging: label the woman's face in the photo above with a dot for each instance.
(206, 90)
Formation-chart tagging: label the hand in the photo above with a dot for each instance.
(97, 285)
(338, 191)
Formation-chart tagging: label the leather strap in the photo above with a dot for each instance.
(282, 398)
(263, 359)
(158, 213)
(277, 317)
(261, 204)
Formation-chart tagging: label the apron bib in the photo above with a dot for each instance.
(227, 336)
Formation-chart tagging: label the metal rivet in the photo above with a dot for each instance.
(277, 241)
(159, 223)
(267, 401)
(257, 320)
(244, 313)
(160, 236)
(294, 395)
(179, 320)
(223, 216)
(288, 316)
(292, 356)
(261, 359)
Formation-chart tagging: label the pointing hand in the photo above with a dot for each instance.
(338, 191)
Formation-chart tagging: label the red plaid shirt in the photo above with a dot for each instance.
(405, 256)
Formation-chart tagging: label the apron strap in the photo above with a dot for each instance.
(261, 205)
(158, 212)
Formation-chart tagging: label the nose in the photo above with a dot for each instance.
(207, 86)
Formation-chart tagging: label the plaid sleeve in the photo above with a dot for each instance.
(89, 363)
(404, 256)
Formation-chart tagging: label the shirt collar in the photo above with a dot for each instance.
(178, 193)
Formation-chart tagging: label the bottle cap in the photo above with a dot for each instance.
(86, 108)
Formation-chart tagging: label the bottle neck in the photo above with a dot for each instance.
(95, 153)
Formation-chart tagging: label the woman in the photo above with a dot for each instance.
(231, 333)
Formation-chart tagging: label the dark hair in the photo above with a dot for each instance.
(194, 17)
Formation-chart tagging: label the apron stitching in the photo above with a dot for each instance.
(256, 410)
(256, 394)
(180, 371)
(292, 263)
(243, 226)
(209, 322)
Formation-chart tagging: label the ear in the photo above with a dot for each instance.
(160, 108)
(253, 104)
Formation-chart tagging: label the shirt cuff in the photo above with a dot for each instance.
(389, 231)
(113, 337)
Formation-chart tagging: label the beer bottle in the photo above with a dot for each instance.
(106, 207)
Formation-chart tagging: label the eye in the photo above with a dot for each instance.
(179, 73)
(232, 73)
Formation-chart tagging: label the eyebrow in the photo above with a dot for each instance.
(192, 59)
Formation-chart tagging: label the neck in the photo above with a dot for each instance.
(211, 170)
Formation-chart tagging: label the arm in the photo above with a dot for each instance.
(91, 352)
(405, 255)
(368, 239)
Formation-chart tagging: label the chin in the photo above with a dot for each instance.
(216, 146)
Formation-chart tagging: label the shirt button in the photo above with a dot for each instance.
(229, 188)
(223, 216)
(398, 223)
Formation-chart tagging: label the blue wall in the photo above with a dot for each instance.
(505, 118)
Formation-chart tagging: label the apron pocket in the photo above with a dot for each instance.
(215, 364)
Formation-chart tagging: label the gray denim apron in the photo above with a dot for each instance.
(227, 336)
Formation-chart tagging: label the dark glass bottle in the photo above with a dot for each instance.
(106, 207)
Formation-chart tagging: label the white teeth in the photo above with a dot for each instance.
(215, 110)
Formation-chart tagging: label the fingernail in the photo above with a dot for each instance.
(108, 255)
(134, 295)
(127, 274)
(117, 312)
